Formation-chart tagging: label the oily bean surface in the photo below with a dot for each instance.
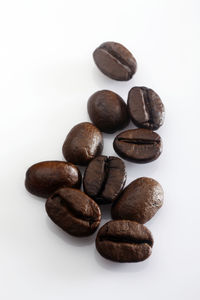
(124, 241)
(83, 143)
(115, 61)
(139, 201)
(104, 179)
(44, 178)
(108, 111)
(138, 145)
(74, 212)
(145, 108)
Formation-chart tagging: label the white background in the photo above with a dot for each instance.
(46, 77)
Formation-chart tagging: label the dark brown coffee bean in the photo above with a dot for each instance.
(115, 61)
(108, 111)
(44, 178)
(124, 241)
(138, 145)
(82, 144)
(145, 108)
(104, 179)
(74, 212)
(140, 200)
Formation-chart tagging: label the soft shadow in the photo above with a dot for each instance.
(142, 170)
(74, 241)
(155, 218)
(120, 267)
(111, 136)
(130, 126)
(105, 82)
(81, 168)
(99, 77)
(105, 212)
(35, 197)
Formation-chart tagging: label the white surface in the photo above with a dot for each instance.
(46, 76)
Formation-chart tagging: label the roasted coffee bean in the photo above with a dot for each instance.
(108, 111)
(145, 108)
(82, 144)
(140, 201)
(44, 178)
(138, 145)
(74, 212)
(124, 241)
(115, 61)
(104, 179)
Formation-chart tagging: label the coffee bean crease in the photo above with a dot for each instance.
(139, 141)
(123, 239)
(74, 212)
(118, 57)
(104, 179)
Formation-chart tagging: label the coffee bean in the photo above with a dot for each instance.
(115, 61)
(138, 145)
(145, 108)
(44, 178)
(108, 111)
(82, 144)
(140, 201)
(74, 212)
(124, 241)
(104, 179)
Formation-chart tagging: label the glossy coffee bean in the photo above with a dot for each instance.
(145, 108)
(104, 179)
(115, 61)
(83, 143)
(108, 111)
(124, 241)
(74, 212)
(44, 178)
(140, 201)
(138, 145)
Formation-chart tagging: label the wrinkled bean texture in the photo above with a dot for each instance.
(145, 108)
(138, 145)
(74, 212)
(140, 201)
(124, 241)
(83, 143)
(108, 111)
(104, 179)
(115, 61)
(44, 178)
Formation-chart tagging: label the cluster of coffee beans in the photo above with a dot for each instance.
(125, 239)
